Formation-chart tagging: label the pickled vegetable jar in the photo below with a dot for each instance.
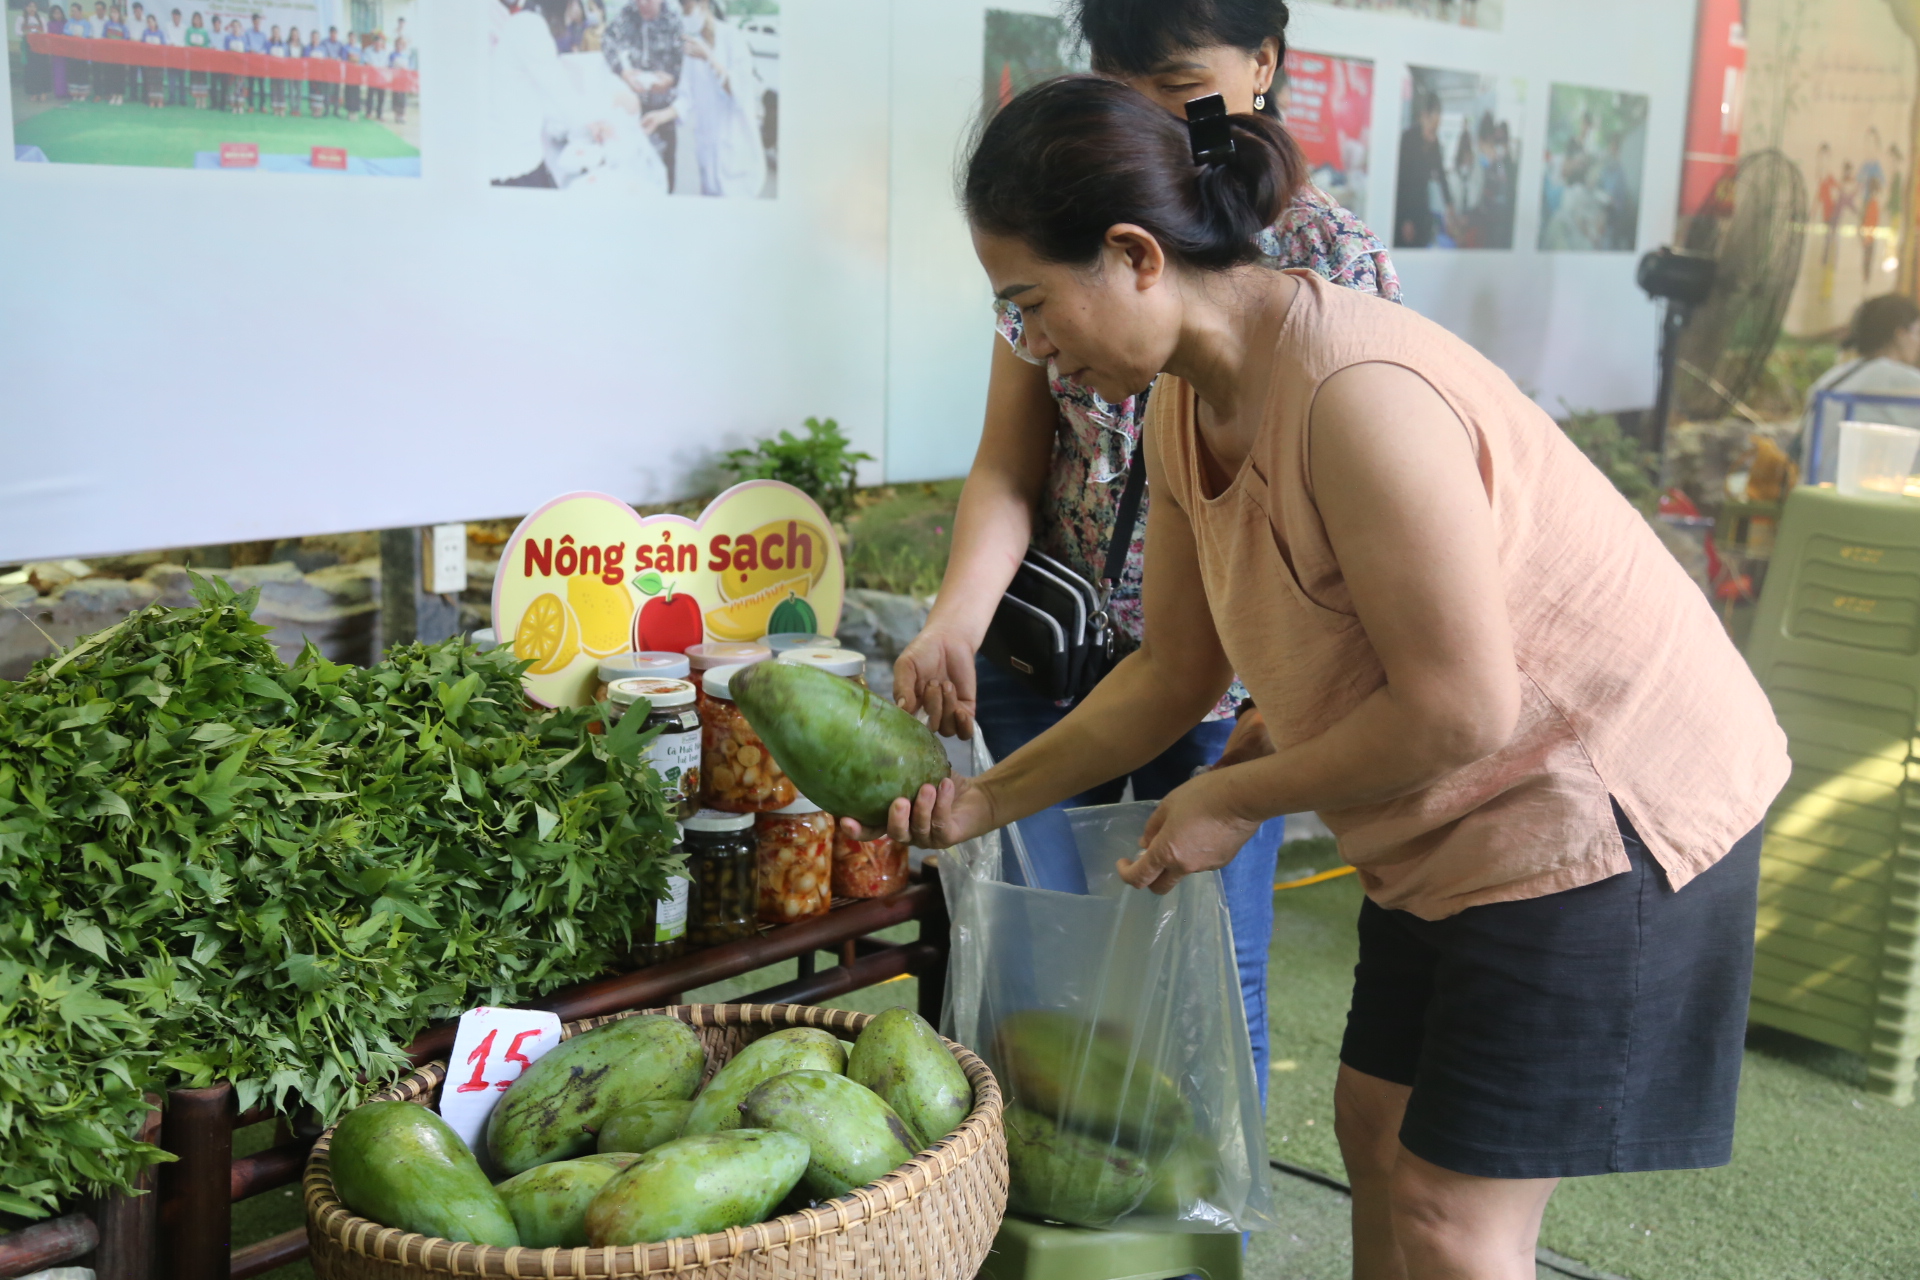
(782, 642)
(737, 768)
(631, 666)
(796, 862)
(660, 933)
(675, 753)
(709, 654)
(867, 868)
(722, 857)
(844, 663)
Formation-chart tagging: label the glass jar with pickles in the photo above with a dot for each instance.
(675, 753)
(737, 768)
(723, 860)
(844, 663)
(660, 933)
(634, 666)
(796, 862)
(867, 868)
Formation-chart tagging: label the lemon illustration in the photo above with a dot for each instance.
(808, 559)
(605, 614)
(548, 636)
(747, 619)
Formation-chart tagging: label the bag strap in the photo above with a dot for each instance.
(1127, 517)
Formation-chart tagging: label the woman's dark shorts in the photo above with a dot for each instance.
(1597, 1030)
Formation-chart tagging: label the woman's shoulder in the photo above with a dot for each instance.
(1332, 241)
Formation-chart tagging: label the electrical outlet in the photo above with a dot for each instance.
(447, 559)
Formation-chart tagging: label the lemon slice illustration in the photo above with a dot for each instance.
(605, 614)
(548, 636)
(746, 619)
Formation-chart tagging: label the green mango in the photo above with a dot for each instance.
(644, 1127)
(1055, 1173)
(690, 1186)
(795, 1049)
(853, 1137)
(401, 1165)
(1183, 1179)
(1063, 1066)
(849, 752)
(901, 1058)
(549, 1203)
(556, 1107)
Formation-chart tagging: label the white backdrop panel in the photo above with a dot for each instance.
(196, 357)
(203, 357)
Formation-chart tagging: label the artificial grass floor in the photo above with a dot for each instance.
(168, 137)
(1824, 1184)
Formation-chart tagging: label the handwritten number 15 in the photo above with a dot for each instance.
(479, 1060)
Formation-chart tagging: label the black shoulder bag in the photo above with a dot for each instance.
(1053, 628)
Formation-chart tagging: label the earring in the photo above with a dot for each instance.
(1259, 102)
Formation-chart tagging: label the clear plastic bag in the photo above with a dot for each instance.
(1114, 1022)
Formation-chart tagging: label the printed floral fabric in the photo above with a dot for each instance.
(1094, 442)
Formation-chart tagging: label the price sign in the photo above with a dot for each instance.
(490, 1051)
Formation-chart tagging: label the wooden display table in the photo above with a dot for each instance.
(198, 1190)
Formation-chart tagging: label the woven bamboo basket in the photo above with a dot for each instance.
(933, 1218)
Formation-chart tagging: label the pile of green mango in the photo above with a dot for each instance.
(1093, 1131)
(610, 1140)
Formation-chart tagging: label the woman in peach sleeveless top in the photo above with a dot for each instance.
(1474, 659)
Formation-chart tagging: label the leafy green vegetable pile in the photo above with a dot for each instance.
(215, 867)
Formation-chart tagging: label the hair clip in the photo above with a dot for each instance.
(1209, 129)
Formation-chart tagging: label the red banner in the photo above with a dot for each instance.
(179, 58)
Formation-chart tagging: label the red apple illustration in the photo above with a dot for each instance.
(668, 624)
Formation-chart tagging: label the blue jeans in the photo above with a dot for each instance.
(1012, 715)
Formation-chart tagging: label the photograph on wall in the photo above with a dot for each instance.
(1459, 160)
(1327, 103)
(1023, 49)
(300, 86)
(652, 97)
(1485, 14)
(1596, 154)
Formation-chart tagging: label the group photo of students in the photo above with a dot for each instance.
(155, 83)
(54, 78)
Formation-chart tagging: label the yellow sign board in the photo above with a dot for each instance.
(586, 577)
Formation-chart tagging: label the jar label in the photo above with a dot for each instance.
(676, 758)
(670, 913)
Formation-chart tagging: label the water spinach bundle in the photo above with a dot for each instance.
(215, 867)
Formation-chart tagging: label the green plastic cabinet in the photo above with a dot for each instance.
(1836, 645)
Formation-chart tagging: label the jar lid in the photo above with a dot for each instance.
(716, 820)
(781, 641)
(661, 693)
(837, 662)
(800, 805)
(624, 666)
(718, 682)
(719, 653)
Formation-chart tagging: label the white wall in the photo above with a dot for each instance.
(1568, 327)
(195, 357)
(1571, 328)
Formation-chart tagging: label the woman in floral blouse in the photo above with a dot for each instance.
(1054, 457)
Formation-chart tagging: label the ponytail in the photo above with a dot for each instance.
(1069, 159)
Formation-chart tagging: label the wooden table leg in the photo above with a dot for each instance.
(129, 1224)
(196, 1219)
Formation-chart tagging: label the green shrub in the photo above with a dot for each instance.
(820, 466)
